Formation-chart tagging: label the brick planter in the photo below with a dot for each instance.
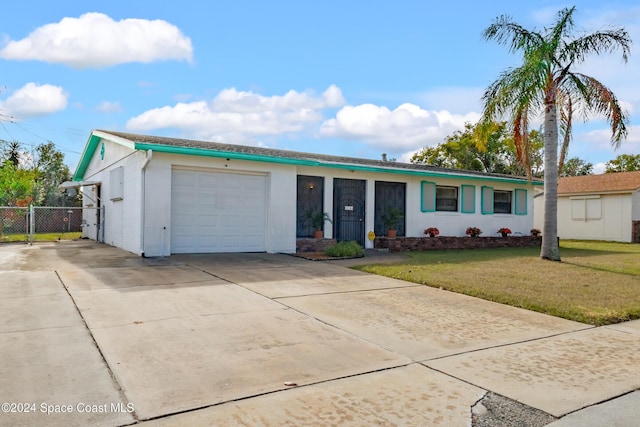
(313, 245)
(404, 244)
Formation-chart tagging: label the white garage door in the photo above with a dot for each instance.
(217, 212)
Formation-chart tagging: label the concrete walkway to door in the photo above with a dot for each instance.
(262, 339)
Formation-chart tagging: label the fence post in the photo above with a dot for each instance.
(31, 224)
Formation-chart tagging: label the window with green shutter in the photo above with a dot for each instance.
(487, 200)
(428, 197)
(468, 204)
(521, 201)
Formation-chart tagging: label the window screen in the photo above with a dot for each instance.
(502, 201)
(586, 209)
(447, 199)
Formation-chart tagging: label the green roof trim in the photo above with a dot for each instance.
(195, 151)
(137, 142)
(85, 159)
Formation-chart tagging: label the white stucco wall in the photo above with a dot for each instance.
(614, 223)
(281, 199)
(449, 223)
(141, 221)
(121, 226)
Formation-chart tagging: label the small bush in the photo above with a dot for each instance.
(345, 249)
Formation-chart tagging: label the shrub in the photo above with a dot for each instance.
(345, 249)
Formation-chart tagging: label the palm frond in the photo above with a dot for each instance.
(608, 41)
(506, 32)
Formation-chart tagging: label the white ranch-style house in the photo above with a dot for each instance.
(165, 196)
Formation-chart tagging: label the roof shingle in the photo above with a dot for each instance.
(605, 183)
(270, 152)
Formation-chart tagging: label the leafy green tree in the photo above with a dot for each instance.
(623, 163)
(481, 147)
(548, 84)
(50, 173)
(576, 166)
(16, 185)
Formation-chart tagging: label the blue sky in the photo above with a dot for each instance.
(355, 78)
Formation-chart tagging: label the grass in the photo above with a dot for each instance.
(40, 237)
(596, 282)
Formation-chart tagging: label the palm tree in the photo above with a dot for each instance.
(547, 84)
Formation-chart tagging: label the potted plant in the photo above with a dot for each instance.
(504, 231)
(317, 220)
(535, 232)
(391, 219)
(473, 231)
(432, 231)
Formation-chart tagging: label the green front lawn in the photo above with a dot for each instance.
(596, 282)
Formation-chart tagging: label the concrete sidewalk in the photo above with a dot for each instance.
(261, 339)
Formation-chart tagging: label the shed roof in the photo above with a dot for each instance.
(618, 182)
(215, 149)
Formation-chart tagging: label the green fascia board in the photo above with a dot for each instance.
(194, 151)
(85, 159)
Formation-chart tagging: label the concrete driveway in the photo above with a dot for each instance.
(97, 336)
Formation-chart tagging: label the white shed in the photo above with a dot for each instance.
(597, 207)
(166, 195)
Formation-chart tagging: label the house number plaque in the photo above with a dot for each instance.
(348, 208)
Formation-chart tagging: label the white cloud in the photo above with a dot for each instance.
(599, 168)
(109, 107)
(406, 127)
(238, 116)
(94, 40)
(457, 100)
(602, 136)
(35, 100)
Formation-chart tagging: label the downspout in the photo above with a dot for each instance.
(148, 156)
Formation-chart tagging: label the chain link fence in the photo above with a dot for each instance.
(14, 224)
(45, 223)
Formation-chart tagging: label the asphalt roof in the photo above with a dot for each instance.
(605, 183)
(297, 155)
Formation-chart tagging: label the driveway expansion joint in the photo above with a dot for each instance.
(117, 385)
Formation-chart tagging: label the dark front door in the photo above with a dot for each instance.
(349, 209)
(389, 195)
(309, 199)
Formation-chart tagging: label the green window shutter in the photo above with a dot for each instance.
(428, 197)
(468, 204)
(521, 201)
(487, 200)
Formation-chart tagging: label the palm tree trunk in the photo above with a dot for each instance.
(550, 249)
(563, 153)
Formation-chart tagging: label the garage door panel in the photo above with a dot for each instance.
(217, 212)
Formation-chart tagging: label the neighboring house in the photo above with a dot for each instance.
(165, 195)
(597, 207)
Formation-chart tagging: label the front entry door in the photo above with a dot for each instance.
(349, 209)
